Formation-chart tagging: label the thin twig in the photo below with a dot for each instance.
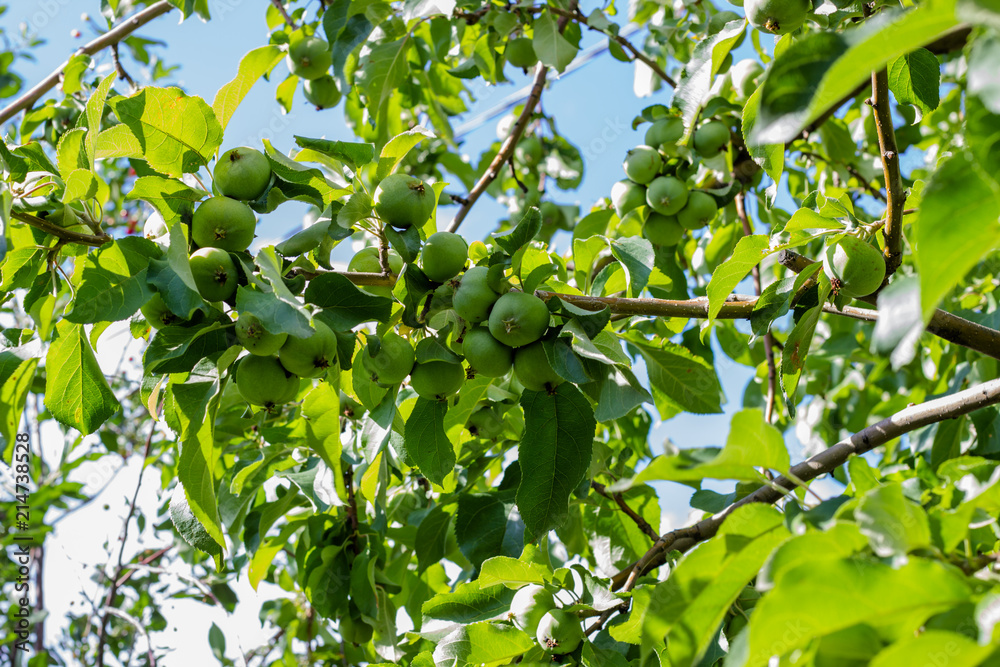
(113, 36)
(280, 6)
(772, 373)
(887, 430)
(122, 74)
(620, 501)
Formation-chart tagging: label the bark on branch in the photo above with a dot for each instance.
(93, 240)
(885, 431)
(889, 153)
(113, 36)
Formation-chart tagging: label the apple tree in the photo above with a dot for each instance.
(441, 452)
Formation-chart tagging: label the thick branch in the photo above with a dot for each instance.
(887, 430)
(113, 36)
(895, 194)
(356, 277)
(942, 324)
(93, 240)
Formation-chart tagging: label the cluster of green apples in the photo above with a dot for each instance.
(535, 610)
(659, 180)
(310, 57)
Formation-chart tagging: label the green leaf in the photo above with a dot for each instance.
(353, 155)
(982, 82)
(894, 525)
(380, 72)
(824, 596)
(171, 198)
(297, 181)
(187, 524)
(427, 442)
(486, 526)
(636, 257)
(113, 282)
(505, 570)
(289, 316)
(17, 370)
(177, 134)
(397, 148)
(551, 47)
(469, 603)
(173, 278)
(930, 644)
(94, 113)
(321, 410)
(956, 226)
(179, 349)
(73, 71)
(816, 72)
(899, 334)
(523, 232)
(253, 65)
(752, 443)
(76, 391)
(748, 253)
(914, 78)
(793, 356)
(71, 154)
(696, 81)
(982, 132)
(432, 538)
(196, 403)
(343, 304)
(481, 643)
(836, 542)
(554, 454)
(680, 381)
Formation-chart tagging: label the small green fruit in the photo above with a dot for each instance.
(485, 354)
(355, 630)
(444, 255)
(158, 315)
(529, 151)
(744, 76)
(642, 164)
(214, 273)
(662, 229)
(665, 133)
(520, 52)
(264, 381)
(437, 380)
(404, 201)
(310, 357)
(366, 261)
(533, 370)
(255, 338)
(627, 196)
(518, 319)
(777, 16)
(855, 268)
(474, 297)
(309, 57)
(559, 632)
(667, 195)
(393, 362)
(700, 210)
(485, 423)
(222, 222)
(529, 605)
(711, 138)
(322, 92)
(721, 245)
(242, 173)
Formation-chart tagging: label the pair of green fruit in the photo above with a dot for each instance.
(534, 611)
(310, 58)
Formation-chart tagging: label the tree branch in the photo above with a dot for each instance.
(280, 6)
(942, 324)
(620, 501)
(895, 194)
(113, 36)
(885, 431)
(93, 240)
(507, 148)
(356, 277)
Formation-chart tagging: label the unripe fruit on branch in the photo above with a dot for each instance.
(667, 195)
(855, 267)
(309, 57)
(366, 261)
(474, 297)
(393, 362)
(242, 173)
(518, 319)
(404, 201)
(520, 52)
(700, 210)
(744, 77)
(264, 381)
(559, 632)
(322, 92)
(214, 273)
(158, 315)
(529, 605)
(777, 16)
(533, 370)
(662, 229)
(354, 630)
(437, 380)
(310, 357)
(444, 255)
(255, 338)
(485, 354)
(711, 138)
(222, 222)
(664, 134)
(642, 164)
(529, 151)
(485, 423)
(627, 196)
